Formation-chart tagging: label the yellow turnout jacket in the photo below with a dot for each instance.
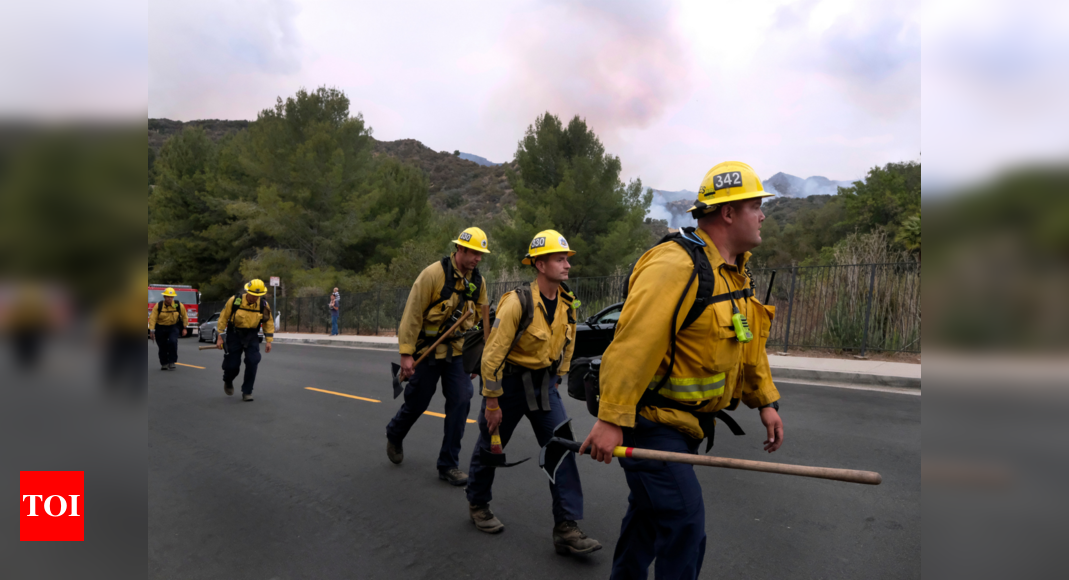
(248, 316)
(712, 368)
(426, 290)
(168, 315)
(540, 345)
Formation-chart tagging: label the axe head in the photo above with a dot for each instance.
(559, 446)
(395, 372)
(492, 459)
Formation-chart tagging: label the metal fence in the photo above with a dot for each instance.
(863, 307)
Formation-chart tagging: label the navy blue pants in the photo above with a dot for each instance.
(167, 340)
(333, 322)
(665, 513)
(232, 360)
(457, 389)
(567, 492)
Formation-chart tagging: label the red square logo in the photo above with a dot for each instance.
(53, 504)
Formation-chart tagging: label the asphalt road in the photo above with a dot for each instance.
(297, 484)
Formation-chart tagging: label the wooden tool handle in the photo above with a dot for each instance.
(210, 347)
(444, 335)
(850, 475)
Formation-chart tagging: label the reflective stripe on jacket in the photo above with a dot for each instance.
(248, 316)
(427, 289)
(711, 366)
(539, 346)
(168, 315)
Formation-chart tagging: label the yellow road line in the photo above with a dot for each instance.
(343, 395)
(193, 366)
(431, 413)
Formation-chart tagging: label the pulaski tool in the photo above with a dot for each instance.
(563, 443)
(496, 455)
(395, 369)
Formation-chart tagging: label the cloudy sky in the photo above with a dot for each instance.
(808, 87)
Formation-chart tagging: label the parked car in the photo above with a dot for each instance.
(592, 337)
(208, 331)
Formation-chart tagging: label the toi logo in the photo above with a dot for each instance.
(52, 506)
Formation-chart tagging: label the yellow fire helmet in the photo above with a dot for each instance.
(726, 182)
(170, 292)
(474, 239)
(256, 287)
(547, 242)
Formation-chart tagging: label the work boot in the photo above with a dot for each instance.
(569, 539)
(163, 367)
(246, 397)
(453, 476)
(170, 366)
(395, 452)
(484, 519)
(228, 387)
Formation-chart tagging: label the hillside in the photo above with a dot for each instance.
(457, 185)
(464, 187)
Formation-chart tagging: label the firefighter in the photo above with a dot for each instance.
(167, 320)
(662, 390)
(244, 314)
(527, 354)
(439, 297)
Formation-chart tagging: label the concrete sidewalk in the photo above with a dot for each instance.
(794, 368)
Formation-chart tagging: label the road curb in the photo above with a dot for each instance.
(332, 342)
(786, 373)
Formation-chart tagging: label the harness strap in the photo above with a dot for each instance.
(734, 295)
(707, 421)
(534, 402)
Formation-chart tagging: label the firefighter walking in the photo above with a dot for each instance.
(239, 325)
(439, 297)
(167, 321)
(527, 354)
(689, 344)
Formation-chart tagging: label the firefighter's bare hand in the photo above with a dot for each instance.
(219, 343)
(603, 438)
(771, 419)
(493, 418)
(408, 366)
(267, 347)
(152, 335)
(184, 332)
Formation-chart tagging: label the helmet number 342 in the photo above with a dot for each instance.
(729, 179)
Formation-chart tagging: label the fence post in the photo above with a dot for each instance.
(378, 308)
(868, 310)
(790, 309)
(299, 300)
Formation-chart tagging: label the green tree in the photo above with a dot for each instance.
(909, 234)
(886, 197)
(567, 182)
(183, 209)
(298, 194)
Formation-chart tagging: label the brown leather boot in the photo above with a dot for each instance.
(484, 519)
(395, 452)
(569, 539)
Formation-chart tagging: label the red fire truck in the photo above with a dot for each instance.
(187, 295)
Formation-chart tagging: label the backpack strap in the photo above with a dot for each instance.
(447, 287)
